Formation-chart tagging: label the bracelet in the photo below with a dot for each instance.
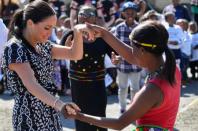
(54, 105)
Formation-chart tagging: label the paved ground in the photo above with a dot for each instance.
(187, 119)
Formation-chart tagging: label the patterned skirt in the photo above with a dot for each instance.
(149, 128)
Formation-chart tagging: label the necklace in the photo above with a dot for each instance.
(154, 74)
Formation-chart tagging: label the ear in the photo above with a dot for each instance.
(30, 23)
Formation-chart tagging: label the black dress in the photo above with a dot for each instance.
(29, 113)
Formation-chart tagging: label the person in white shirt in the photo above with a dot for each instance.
(3, 36)
(3, 40)
(176, 36)
(185, 49)
(194, 59)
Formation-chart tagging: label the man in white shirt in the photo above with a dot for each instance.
(185, 49)
(176, 36)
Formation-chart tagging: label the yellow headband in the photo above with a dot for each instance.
(145, 44)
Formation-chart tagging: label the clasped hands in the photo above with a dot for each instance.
(89, 31)
(69, 110)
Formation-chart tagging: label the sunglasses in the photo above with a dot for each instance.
(86, 15)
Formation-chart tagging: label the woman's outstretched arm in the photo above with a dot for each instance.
(141, 104)
(73, 52)
(121, 48)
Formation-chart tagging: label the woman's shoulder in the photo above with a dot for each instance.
(45, 47)
(14, 42)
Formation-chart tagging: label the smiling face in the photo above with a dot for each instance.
(41, 31)
(129, 15)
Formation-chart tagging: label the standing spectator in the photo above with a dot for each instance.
(193, 29)
(149, 15)
(108, 11)
(28, 65)
(194, 9)
(3, 36)
(75, 5)
(59, 7)
(8, 8)
(61, 19)
(185, 49)
(141, 6)
(127, 73)
(3, 40)
(176, 36)
(87, 75)
(181, 12)
(156, 105)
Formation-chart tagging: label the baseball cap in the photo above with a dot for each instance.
(129, 5)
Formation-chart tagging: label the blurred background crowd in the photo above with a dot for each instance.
(180, 18)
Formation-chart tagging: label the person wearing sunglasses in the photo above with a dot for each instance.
(87, 75)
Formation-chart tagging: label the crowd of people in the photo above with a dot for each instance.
(49, 47)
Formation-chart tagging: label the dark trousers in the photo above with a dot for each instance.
(194, 69)
(184, 66)
(177, 53)
(92, 99)
(196, 17)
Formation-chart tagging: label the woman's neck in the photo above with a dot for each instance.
(155, 64)
(29, 38)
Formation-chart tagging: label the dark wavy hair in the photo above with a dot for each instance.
(37, 11)
(155, 33)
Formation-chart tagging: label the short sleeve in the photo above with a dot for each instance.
(14, 53)
(45, 49)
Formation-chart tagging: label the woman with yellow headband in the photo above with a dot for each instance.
(155, 106)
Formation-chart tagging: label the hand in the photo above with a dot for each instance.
(115, 59)
(70, 109)
(96, 29)
(72, 116)
(87, 33)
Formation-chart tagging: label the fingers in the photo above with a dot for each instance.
(112, 54)
(114, 58)
(75, 107)
(95, 30)
(64, 111)
(70, 110)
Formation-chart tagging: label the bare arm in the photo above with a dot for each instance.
(142, 8)
(73, 13)
(142, 102)
(121, 48)
(26, 74)
(73, 52)
(73, 16)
